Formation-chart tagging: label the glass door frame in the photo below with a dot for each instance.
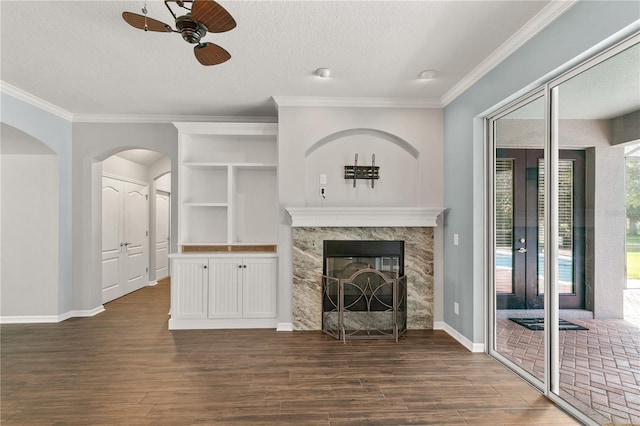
(490, 156)
(550, 386)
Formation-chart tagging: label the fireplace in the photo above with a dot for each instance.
(364, 290)
(310, 227)
(341, 258)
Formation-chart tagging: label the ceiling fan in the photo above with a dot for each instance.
(202, 16)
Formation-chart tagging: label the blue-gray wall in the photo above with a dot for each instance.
(54, 132)
(585, 25)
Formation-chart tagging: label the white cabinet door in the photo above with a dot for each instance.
(225, 291)
(259, 288)
(189, 286)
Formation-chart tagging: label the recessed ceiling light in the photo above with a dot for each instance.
(323, 72)
(427, 75)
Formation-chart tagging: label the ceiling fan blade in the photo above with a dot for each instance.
(210, 54)
(212, 15)
(145, 23)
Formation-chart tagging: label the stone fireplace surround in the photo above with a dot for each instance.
(312, 225)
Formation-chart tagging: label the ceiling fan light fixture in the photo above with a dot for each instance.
(427, 75)
(203, 17)
(323, 72)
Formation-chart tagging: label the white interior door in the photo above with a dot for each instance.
(112, 238)
(162, 234)
(125, 221)
(136, 232)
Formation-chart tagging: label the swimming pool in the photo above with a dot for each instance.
(565, 265)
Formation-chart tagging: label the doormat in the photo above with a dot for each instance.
(538, 324)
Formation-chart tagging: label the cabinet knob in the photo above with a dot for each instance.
(205, 266)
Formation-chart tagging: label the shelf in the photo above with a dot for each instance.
(204, 224)
(229, 248)
(203, 164)
(192, 204)
(228, 184)
(205, 185)
(221, 166)
(254, 166)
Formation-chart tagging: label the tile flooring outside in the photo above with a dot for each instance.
(599, 368)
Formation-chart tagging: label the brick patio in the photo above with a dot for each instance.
(599, 368)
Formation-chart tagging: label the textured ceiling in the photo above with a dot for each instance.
(81, 56)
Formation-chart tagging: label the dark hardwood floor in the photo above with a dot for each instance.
(124, 367)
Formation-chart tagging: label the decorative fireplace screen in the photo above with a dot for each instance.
(364, 289)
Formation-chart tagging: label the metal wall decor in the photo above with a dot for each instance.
(356, 172)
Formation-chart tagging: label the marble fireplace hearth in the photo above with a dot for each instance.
(311, 226)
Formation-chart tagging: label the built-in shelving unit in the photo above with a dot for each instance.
(228, 186)
(225, 273)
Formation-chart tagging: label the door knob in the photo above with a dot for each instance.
(522, 250)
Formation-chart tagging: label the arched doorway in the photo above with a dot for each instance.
(129, 217)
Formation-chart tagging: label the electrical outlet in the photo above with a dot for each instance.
(456, 308)
(323, 179)
(455, 239)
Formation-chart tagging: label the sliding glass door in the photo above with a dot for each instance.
(556, 240)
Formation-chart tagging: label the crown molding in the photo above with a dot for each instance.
(311, 101)
(35, 101)
(547, 15)
(121, 118)
(155, 119)
(238, 128)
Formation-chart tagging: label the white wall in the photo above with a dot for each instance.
(30, 237)
(399, 169)
(128, 170)
(54, 133)
(408, 143)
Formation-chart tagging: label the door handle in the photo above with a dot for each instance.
(522, 250)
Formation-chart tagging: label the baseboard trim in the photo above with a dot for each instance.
(223, 323)
(48, 319)
(152, 283)
(472, 347)
(88, 313)
(31, 319)
(284, 326)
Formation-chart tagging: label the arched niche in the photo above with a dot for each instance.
(396, 157)
(400, 142)
(29, 187)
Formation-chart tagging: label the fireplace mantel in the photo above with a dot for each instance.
(364, 216)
